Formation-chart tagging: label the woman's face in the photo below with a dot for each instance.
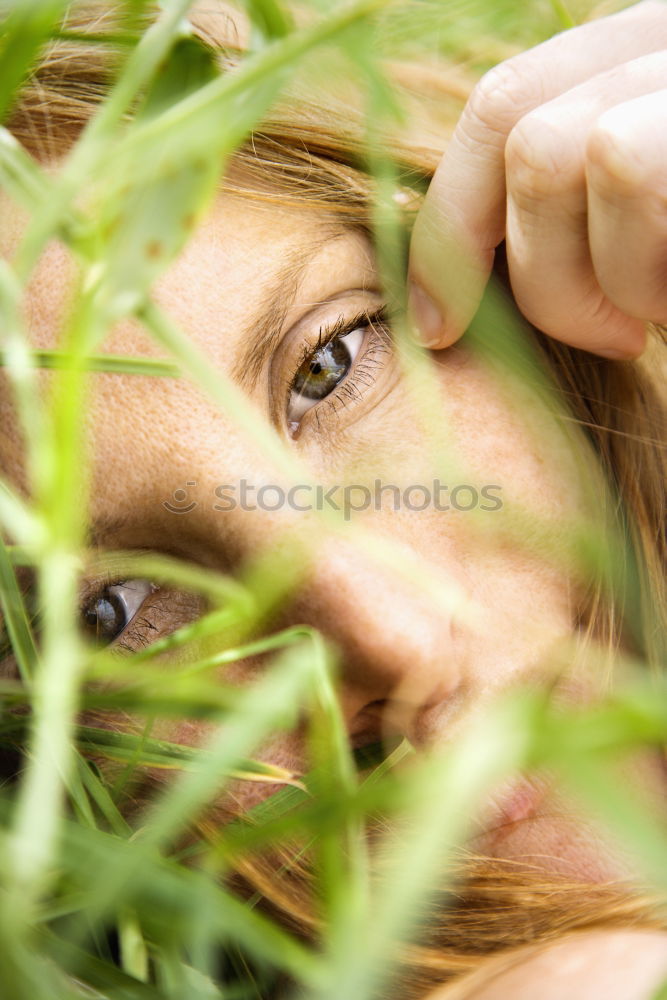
(261, 289)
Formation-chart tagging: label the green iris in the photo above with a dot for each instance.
(321, 372)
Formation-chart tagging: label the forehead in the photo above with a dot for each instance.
(246, 255)
(252, 267)
(257, 263)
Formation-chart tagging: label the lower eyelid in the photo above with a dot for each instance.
(162, 613)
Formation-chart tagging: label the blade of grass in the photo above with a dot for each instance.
(149, 752)
(446, 790)
(341, 851)
(92, 149)
(23, 32)
(16, 618)
(266, 707)
(60, 489)
(21, 523)
(160, 890)
(60, 360)
(187, 128)
(133, 951)
(110, 666)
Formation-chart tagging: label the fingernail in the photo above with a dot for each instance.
(426, 316)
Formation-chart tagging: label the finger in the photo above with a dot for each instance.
(627, 197)
(463, 218)
(551, 269)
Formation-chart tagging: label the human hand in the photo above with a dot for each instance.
(617, 963)
(562, 152)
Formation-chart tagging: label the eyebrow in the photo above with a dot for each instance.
(101, 529)
(263, 337)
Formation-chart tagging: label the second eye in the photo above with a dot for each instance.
(109, 613)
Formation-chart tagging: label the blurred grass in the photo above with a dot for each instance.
(97, 892)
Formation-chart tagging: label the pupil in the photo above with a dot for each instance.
(105, 619)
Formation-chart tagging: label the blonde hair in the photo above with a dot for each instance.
(307, 153)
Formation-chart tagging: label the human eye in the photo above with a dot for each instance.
(339, 367)
(130, 614)
(108, 612)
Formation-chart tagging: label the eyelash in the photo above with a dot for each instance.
(153, 619)
(363, 370)
(140, 632)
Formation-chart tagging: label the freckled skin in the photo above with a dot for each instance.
(405, 664)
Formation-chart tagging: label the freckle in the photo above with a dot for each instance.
(153, 249)
(189, 221)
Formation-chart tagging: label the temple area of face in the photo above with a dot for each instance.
(331, 260)
(255, 270)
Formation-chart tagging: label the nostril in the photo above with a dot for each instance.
(396, 648)
(368, 725)
(378, 728)
(420, 717)
(371, 755)
(386, 722)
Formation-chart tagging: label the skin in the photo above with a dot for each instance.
(560, 152)
(616, 965)
(409, 666)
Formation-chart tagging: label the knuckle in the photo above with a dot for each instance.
(617, 168)
(499, 99)
(541, 160)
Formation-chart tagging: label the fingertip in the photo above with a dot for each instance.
(427, 319)
(628, 344)
(621, 353)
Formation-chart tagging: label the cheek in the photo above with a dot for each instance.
(509, 560)
(505, 434)
(49, 296)
(494, 465)
(520, 563)
(12, 465)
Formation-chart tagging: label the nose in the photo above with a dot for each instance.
(397, 671)
(395, 640)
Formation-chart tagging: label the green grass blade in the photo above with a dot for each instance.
(16, 618)
(147, 752)
(22, 33)
(61, 361)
